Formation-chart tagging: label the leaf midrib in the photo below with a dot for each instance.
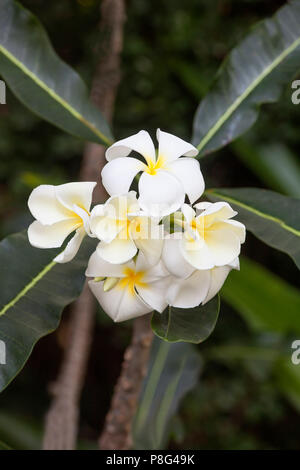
(28, 287)
(257, 212)
(232, 108)
(54, 95)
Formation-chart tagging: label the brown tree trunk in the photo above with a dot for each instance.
(62, 417)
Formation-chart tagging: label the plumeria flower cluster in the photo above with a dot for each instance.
(154, 249)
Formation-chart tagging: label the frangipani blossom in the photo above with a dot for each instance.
(199, 287)
(211, 238)
(137, 288)
(166, 178)
(123, 229)
(59, 211)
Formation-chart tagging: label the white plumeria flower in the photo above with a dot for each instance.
(165, 179)
(210, 237)
(197, 286)
(59, 211)
(135, 288)
(123, 229)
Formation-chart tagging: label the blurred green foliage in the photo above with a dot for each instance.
(248, 396)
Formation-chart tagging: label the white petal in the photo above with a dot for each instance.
(79, 194)
(140, 142)
(145, 228)
(50, 236)
(173, 258)
(148, 237)
(45, 207)
(154, 294)
(160, 194)
(120, 206)
(188, 212)
(189, 215)
(98, 267)
(117, 175)
(202, 206)
(85, 217)
(171, 147)
(151, 273)
(119, 303)
(152, 249)
(104, 227)
(72, 247)
(224, 245)
(188, 172)
(190, 292)
(235, 264)
(98, 211)
(197, 253)
(157, 272)
(218, 277)
(108, 220)
(118, 251)
(238, 228)
(217, 211)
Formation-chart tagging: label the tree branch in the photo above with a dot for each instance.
(117, 432)
(105, 84)
(61, 426)
(62, 417)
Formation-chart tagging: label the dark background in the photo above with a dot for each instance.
(171, 53)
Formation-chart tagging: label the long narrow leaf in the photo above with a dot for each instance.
(173, 371)
(288, 380)
(254, 73)
(273, 218)
(34, 291)
(41, 80)
(265, 301)
(274, 164)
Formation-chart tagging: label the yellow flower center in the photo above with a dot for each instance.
(199, 225)
(84, 209)
(153, 166)
(134, 228)
(78, 217)
(124, 233)
(131, 280)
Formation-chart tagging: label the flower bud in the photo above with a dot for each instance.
(109, 283)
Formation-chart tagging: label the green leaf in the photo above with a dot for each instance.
(232, 352)
(274, 164)
(173, 371)
(183, 324)
(20, 432)
(190, 75)
(4, 446)
(254, 73)
(41, 80)
(265, 301)
(288, 380)
(34, 291)
(273, 218)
